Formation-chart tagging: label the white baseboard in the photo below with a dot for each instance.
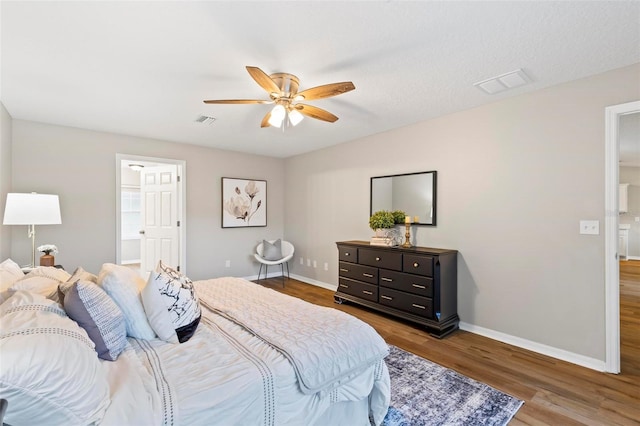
(561, 354)
(633, 258)
(315, 282)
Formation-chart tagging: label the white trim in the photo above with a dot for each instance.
(561, 354)
(182, 202)
(315, 282)
(584, 361)
(633, 257)
(611, 266)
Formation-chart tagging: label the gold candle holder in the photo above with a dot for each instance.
(407, 235)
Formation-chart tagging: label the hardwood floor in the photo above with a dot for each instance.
(555, 392)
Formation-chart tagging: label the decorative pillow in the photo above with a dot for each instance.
(94, 311)
(78, 274)
(49, 373)
(272, 251)
(124, 286)
(50, 272)
(45, 286)
(171, 304)
(10, 272)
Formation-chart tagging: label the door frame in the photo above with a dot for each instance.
(612, 267)
(182, 202)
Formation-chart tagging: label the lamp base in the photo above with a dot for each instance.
(47, 260)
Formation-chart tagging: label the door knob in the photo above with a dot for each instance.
(141, 232)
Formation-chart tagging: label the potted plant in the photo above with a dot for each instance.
(398, 216)
(380, 221)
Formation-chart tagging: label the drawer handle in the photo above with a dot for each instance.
(418, 286)
(386, 297)
(386, 279)
(367, 292)
(367, 275)
(344, 285)
(416, 264)
(418, 306)
(344, 270)
(377, 259)
(347, 254)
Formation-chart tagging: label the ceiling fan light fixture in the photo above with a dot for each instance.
(277, 115)
(295, 117)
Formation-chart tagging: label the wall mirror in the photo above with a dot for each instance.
(413, 193)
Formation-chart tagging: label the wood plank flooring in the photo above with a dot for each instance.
(555, 392)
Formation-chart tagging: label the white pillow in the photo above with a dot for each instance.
(49, 373)
(171, 304)
(10, 272)
(50, 272)
(124, 286)
(45, 286)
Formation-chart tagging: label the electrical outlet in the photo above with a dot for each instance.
(326, 266)
(315, 264)
(637, 219)
(301, 260)
(227, 264)
(590, 227)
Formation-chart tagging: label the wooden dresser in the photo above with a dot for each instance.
(418, 284)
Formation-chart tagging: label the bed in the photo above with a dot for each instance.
(233, 353)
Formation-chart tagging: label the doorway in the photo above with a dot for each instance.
(613, 115)
(150, 212)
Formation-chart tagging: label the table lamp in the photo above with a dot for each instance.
(32, 209)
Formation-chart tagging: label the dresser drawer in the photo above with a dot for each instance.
(348, 254)
(381, 259)
(407, 302)
(422, 286)
(358, 272)
(359, 289)
(419, 265)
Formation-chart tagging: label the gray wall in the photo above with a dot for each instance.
(5, 178)
(514, 179)
(80, 166)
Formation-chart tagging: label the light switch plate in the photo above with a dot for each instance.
(590, 227)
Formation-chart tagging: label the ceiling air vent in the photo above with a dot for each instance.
(503, 82)
(205, 119)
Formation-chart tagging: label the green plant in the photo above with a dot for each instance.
(381, 220)
(398, 216)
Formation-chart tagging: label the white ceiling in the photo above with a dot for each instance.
(143, 68)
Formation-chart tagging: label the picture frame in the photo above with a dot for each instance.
(244, 202)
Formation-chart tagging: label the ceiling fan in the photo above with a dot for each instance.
(283, 92)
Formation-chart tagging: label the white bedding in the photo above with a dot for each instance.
(226, 375)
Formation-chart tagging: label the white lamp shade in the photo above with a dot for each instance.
(32, 209)
(295, 117)
(277, 115)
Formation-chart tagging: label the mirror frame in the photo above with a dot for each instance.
(434, 174)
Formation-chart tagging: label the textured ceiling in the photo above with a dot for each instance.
(143, 68)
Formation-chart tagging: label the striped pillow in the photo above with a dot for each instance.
(99, 316)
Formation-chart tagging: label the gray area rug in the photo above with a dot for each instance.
(425, 393)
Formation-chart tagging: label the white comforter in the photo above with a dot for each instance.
(325, 345)
(226, 375)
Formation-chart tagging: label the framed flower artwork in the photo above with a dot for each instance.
(244, 202)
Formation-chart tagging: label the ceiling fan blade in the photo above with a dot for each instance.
(238, 101)
(326, 90)
(263, 80)
(265, 120)
(315, 112)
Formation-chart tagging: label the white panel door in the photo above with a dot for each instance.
(160, 222)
